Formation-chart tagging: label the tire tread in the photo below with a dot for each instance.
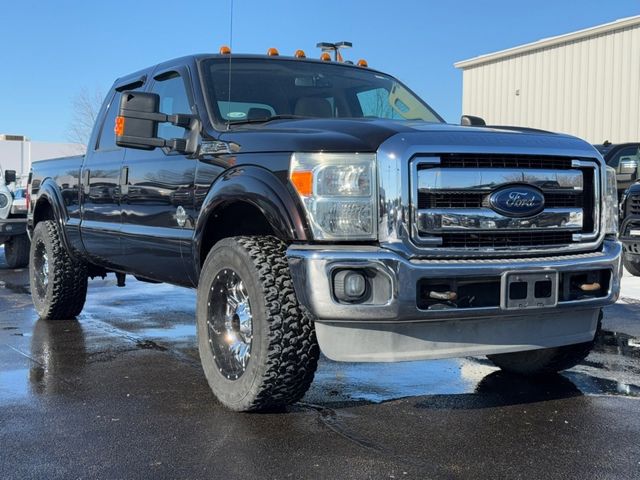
(68, 276)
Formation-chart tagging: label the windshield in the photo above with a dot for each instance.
(265, 88)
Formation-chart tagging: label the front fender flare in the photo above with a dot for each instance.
(260, 188)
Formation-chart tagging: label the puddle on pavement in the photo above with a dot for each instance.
(456, 379)
(379, 382)
(177, 331)
(615, 343)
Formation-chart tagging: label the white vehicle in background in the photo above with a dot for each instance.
(13, 221)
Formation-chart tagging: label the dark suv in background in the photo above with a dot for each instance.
(625, 158)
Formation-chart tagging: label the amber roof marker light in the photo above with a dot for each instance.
(272, 52)
(225, 50)
(119, 126)
(299, 54)
(363, 63)
(327, 48)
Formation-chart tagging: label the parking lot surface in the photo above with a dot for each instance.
(120, 393)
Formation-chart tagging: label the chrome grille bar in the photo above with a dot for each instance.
(461, 219)
(487, 179)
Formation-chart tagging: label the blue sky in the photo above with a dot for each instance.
(53, 49)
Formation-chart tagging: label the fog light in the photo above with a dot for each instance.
(354, 284)
(350, 285)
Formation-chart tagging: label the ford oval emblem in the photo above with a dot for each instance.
(517, 201)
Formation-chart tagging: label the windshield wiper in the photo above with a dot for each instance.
(266, 119)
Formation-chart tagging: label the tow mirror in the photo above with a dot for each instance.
(9, 176)
(471, 121)
(137, 122)
(628, 165)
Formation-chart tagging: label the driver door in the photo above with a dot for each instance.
(157, 197)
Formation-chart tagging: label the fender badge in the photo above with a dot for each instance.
(181, 216)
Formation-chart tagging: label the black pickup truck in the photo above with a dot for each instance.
(317, 205)
(630, 228)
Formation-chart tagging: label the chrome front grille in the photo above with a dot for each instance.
(451, 211)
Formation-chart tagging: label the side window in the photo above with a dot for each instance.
(173, 99)
(107, 138)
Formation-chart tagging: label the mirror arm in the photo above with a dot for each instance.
(181, 120)
(156, 117)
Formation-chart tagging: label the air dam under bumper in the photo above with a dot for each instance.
(396, 329)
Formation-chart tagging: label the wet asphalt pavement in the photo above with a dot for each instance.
(120, 394)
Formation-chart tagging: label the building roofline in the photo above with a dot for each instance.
(550, 42)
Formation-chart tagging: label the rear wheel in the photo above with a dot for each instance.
(16, 251)
(257, 346)
(632, 267)
(58, 282)
(544, 361)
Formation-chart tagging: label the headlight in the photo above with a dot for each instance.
(611, 202)
(339, 192)
(4, 200)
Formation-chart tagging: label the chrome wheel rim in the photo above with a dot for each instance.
(41, 269)
(230, 324)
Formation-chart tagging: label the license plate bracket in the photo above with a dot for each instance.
(525, 290)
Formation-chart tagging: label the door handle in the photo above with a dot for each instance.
(86, 188)
(124, 181)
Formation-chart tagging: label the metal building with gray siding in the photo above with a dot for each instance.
(585, 83)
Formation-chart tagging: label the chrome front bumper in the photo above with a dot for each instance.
(312, 267)
(398, 330)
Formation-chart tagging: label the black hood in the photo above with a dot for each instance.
(346, 135)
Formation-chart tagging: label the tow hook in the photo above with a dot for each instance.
(590, 287)
(450, 296)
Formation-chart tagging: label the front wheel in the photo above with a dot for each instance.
(545, 361)
(58, 281)
(16, 251)
(257, 346)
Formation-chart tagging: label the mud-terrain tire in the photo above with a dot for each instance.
(283, 350)
(58, 282)
(546, 361)
(632, 267)
(16, 251)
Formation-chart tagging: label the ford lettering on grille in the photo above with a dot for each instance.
(517, 201)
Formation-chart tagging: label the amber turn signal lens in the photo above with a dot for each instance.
(119, 127)
(325, 57)
(299, 54)
(224, 50)
(362, 63)
(272, 52)
(303, 181)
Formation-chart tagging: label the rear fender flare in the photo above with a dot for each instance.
(50, 192)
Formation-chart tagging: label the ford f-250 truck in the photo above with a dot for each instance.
(321, 206)
(13, 223)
